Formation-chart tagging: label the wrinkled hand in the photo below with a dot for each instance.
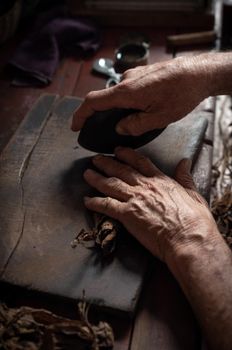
(158, 211)
(163, 93)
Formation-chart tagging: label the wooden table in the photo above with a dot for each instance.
(164, 319)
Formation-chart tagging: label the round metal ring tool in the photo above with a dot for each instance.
(131, 55)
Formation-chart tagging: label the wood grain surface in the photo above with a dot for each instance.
(43, 171)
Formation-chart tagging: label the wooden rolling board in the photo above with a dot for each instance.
(179, 140)
(41, 209)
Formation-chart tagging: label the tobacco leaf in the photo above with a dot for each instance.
(104, 234)
(221, 203)
(222, 211)
(26, 328)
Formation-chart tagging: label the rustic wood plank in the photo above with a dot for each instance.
(206, 108)
(165, 319)
(202, 170)
(66, 77)
(182, 139)
(51, 190)
(13, 163)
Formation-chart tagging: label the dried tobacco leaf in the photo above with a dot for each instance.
(221, 204)
(37, 329)
(222, 211)
(104, 234)
(106, 230)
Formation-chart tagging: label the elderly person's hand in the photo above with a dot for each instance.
(162, 92)
(160, 212)
(174, 223)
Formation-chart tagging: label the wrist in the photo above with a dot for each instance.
(203, 270)
(197, 240)
(197, 74)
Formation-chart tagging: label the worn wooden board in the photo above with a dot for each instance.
(179, 140)
(164, 319)
(41, 209)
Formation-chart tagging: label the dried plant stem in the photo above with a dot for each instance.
(36, 329)
(104, 234)
(221, 204)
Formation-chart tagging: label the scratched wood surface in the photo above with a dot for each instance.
(43, 171)
(12, 170)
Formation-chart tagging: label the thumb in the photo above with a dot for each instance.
(136, 124)
(184, 178)
(183, 175)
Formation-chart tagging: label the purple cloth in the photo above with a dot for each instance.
(54, 36)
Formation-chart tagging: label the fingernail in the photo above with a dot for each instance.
(97, 157)
(120, 130)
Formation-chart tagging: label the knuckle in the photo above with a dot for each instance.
(128, 73)
(124, 86)
(106, 203)
(89, 97)
(135, 206)
(114, 182)
(124, 76)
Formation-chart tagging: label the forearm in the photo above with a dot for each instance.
(204, 271)
(217, 68)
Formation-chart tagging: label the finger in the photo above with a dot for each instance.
(98, 101)
(136, 160)
(108, 206)
(111, 186)
(183, 176)
(114, 168)
(133, 73)
(141, 71)
(138, 123)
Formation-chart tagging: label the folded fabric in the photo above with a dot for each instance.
(54, 36)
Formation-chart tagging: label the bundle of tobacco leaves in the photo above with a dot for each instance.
(26, 328)
(103, 234)
(221, 204)
(222, 211)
